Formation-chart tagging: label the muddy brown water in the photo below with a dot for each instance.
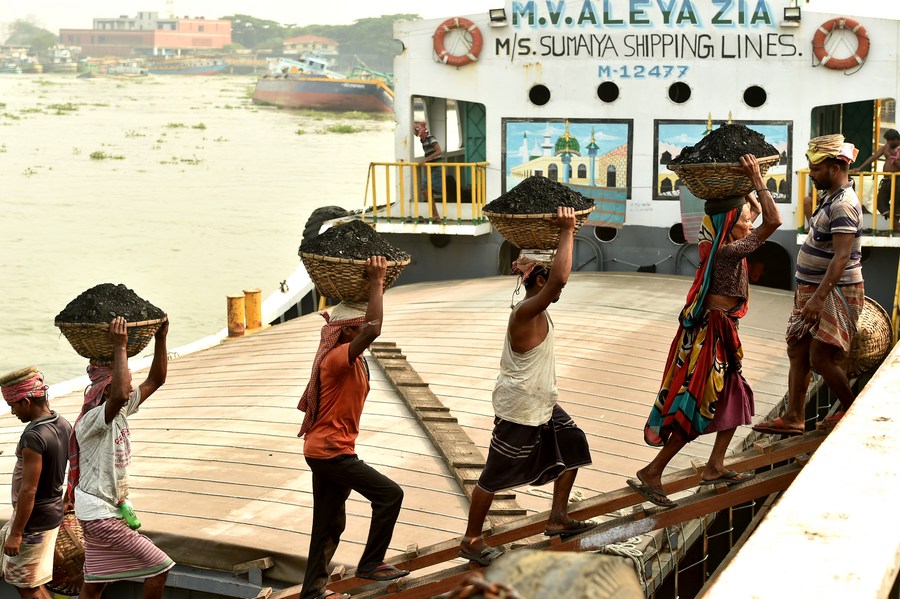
(188, 215)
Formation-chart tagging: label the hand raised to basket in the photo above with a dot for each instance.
(376, 268)
(751, 169)
(118, 332)
(565, 218)
(162, 331)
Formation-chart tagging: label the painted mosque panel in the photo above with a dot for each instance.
(671, 137)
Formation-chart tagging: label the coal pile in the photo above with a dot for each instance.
(726, 144)
(354, 240)
(102, 303)
(538, 195)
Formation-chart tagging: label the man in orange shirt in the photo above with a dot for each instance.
(333, 403)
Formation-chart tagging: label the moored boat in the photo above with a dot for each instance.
(187, 66)
(309, 84)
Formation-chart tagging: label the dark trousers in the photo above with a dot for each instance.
(333, 480)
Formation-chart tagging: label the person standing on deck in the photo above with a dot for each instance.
(99, 455)
(830, 292)
(433, 152)
(703, 389)
(29, 537)
(333, 402)
(534, 440)
(890, 151)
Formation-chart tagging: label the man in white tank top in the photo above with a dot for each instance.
(534, 441)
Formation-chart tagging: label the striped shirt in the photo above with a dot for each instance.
(840, 212)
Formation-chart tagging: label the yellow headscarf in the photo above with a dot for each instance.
(830, 146)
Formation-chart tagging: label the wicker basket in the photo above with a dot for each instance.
(345, 279)
(532, 231)
(91, 340)
(719, 180)
(68, 557)
(873, 340)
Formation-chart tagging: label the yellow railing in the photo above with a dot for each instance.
(863, 182)
(393, 185)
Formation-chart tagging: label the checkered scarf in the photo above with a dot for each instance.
(344, 314)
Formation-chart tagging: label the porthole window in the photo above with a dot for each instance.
(679, 92)
(539, 95)
(676, 234)
(608, 91)
(755, 96)
(605, 234)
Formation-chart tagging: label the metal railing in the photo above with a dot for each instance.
(396, 189)
(863, 182)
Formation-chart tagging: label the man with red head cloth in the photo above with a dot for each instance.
(99, 455)
(29, 537)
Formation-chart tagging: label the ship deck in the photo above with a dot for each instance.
(218, 476)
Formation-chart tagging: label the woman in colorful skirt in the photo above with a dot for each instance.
(703, 390)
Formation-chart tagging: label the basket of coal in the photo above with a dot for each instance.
(85, 321)
(336, 260)
(712, 169)
(68, 557)
(523, 214)
(872, 342)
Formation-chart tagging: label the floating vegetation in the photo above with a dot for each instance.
(199, 126)
(182, 160)
(31, 110)
(76, 151)
(2, 148)
(300, 132)
(12, 116)
(354, 115)
(99, 104)
(134, 134)
(29, 172)
(61, 108)
(101, 155)
(2, 104)
(176, 126)
(220, 139)
(342, 128)
(43, 82)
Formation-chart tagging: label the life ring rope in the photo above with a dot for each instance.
(458, 60)
(841, 64)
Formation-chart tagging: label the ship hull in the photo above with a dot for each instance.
(319, 93)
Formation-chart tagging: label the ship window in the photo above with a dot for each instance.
(755, 96)
(676, 234)
(605, 234)
(679, 92)
(539, 95)
(608, 91)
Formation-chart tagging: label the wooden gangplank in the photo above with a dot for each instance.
(618, 529)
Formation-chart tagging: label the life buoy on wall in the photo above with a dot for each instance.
(457, 60)
(841, 64)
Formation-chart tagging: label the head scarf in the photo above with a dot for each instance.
(713, 233)
(830, 146)
(29, 387)
(525, 267)
(101, 377)
(345, 314)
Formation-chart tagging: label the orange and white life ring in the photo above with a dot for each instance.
(457, 60)
(841, 64)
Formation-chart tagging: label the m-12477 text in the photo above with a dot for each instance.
(642, 72)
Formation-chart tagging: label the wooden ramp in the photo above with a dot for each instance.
(761, 456)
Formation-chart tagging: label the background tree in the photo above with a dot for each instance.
(24, 33)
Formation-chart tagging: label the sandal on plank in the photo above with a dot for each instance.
(482, 557)
(779, 427)
(654, 495)
(382, 572)
(830, 422)
(730, 477)
(572, 527)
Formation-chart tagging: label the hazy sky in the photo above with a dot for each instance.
(54, 14)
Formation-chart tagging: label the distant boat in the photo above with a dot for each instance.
(308, 83)
(187, 66)
(29, 65)
(122, 69)
(9, 67)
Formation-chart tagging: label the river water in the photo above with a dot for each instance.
(200, 195)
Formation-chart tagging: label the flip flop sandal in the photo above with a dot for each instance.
(654, 495)
(382, 572)
(333, 595)
(778, 427)
(482, 557)
(830, 422)
(573, 527)
(730, 477)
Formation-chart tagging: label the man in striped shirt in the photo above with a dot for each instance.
(830, 291)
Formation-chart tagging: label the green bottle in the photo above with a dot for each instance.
(127, 511)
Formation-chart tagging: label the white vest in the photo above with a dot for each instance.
(526, 392)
